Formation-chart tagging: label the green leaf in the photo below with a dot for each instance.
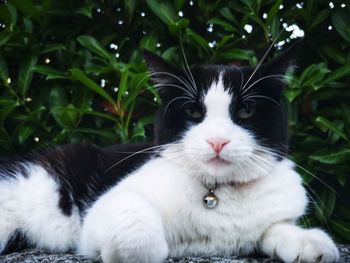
(320, 17)
(170, 53)
(275, 27)
(7, 102)
(139, 129)
(149, 41)
(25, 73)
(137, 83)
(292, 94)
(324, 123)
(164, 10)
(338, 73)
(226, 25)
(3, 69)
(24, 132)
(198, 39)
(178, 4)
(67, 117)
(271, 15)
(123, 83)
(78, 75)
(236, 54)
(342, 228)
(5, 112)
(335, 54)
(53, 47)
(327, 157)
(86, 10)
(4, 37)
(94, 46)
(313, 75)
(50, 72)
(225, 12)
(344, 210)
(341, 22)
(130, 6)
(8, 15)
(325, 202)
(25, 6)
(59, 110)
(57, 97)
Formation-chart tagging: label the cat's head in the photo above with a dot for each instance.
(221, 122)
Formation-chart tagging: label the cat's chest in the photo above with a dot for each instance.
(234, 225)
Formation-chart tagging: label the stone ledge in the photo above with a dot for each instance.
(37, 256)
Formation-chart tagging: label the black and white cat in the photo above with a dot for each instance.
(215, 182)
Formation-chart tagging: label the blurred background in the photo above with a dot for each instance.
(72, 71)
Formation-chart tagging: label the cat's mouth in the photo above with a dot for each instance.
(217, 160)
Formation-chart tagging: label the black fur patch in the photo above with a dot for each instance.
(17, 242)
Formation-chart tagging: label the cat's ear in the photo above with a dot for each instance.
(161, 71)
(280, 64)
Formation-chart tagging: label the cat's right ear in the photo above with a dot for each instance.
(161, 71)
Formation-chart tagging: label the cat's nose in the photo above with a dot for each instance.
(217, 143)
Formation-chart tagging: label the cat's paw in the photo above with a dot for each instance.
(293, 244)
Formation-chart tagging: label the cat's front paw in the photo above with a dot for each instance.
(293, 244)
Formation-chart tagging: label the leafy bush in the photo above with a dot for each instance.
(72, 71)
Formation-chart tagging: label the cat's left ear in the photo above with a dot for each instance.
(280, 64)
(161, 71)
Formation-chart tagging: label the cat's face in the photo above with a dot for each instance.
(220, 126)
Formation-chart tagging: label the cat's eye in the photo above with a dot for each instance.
(193, 113)
(246, 111)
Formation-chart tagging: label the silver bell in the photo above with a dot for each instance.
(210, 200)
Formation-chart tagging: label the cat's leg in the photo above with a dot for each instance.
(291, 243)
(123, 227)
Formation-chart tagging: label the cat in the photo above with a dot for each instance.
(215, 181)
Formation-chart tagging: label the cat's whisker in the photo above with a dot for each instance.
(262, 97)
(175, 156)
(187, 93)
(242, 76)
(262, 60)
(191, 87)
(183, 81)
(323, 217)
(186, 63)
(241, 174)
(135, 153)
(173, 100)
(183, 104)
(249, 94)
(260, 148)
(255, 159)
(262, 78)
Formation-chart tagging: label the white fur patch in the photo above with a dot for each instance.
(30, 205)
(217, 100)
(159, 208)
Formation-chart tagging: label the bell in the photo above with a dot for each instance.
(210, 200)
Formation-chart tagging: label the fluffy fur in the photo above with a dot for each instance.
(147, 206)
